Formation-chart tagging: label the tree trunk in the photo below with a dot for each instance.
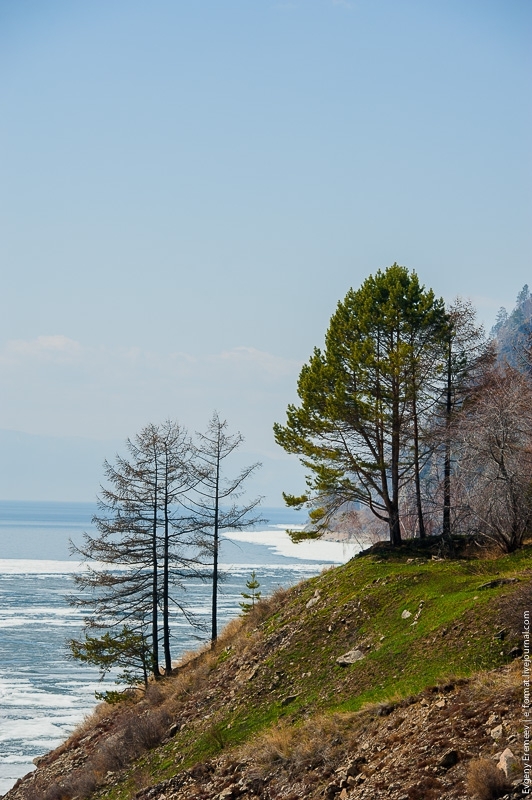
(446, 528)
(395, 527)
(214, 613)
(166, 589)
(155, 588)
(417, 470)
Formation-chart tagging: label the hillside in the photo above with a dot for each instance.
(387, 677)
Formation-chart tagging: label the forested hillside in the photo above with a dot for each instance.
(512, 332)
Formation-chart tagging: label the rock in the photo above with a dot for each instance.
(406, 614)
(229, 792)
(350, 658)
(441, 703)
(492, 719)
(496, 732)
(449, 759)
(288, 699)
(354, 767)
(498, 582)
(508, 763)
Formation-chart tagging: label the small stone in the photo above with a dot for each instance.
(229, 792)
(406, 614)
(350, 658)
(508, 763)
(496, 732)
(288, 699)
(492, 719)
(353, 768)
(441, 703)
(449, 759)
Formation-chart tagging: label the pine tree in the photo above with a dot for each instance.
(357, 428)
(252, 584)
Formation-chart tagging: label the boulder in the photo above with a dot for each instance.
(496, 732)
(350, 658)
(508, 763)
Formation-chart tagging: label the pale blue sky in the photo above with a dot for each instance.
(188, 188)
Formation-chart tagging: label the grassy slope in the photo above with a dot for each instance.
(280, 664)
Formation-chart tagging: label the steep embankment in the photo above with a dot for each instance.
(429, 673)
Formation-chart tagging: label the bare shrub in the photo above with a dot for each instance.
(153, 694)
(115, 754)
(148, 730)
(495, 436)
(486, 781)
(136, 735)
(82, 783)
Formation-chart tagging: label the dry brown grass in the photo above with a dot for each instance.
(486, 781)
(320, 741)
(499, 682)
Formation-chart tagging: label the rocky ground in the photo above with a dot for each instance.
(417, 749)
(277, 709)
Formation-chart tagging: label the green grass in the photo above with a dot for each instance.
(361, 603)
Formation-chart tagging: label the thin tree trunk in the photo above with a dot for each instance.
(446, 529)
(395, 528)
(166, 588)
(417, 470)
(214, 633)
(155, 588)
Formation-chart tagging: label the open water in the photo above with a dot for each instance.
(43, 694)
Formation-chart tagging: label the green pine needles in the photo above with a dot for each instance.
(252, 595)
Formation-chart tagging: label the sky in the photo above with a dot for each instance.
(187, 189)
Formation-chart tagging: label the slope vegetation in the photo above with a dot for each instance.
(387, 677)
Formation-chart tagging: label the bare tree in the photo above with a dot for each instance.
(213, 501)
(495, 433)
(142, 542)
